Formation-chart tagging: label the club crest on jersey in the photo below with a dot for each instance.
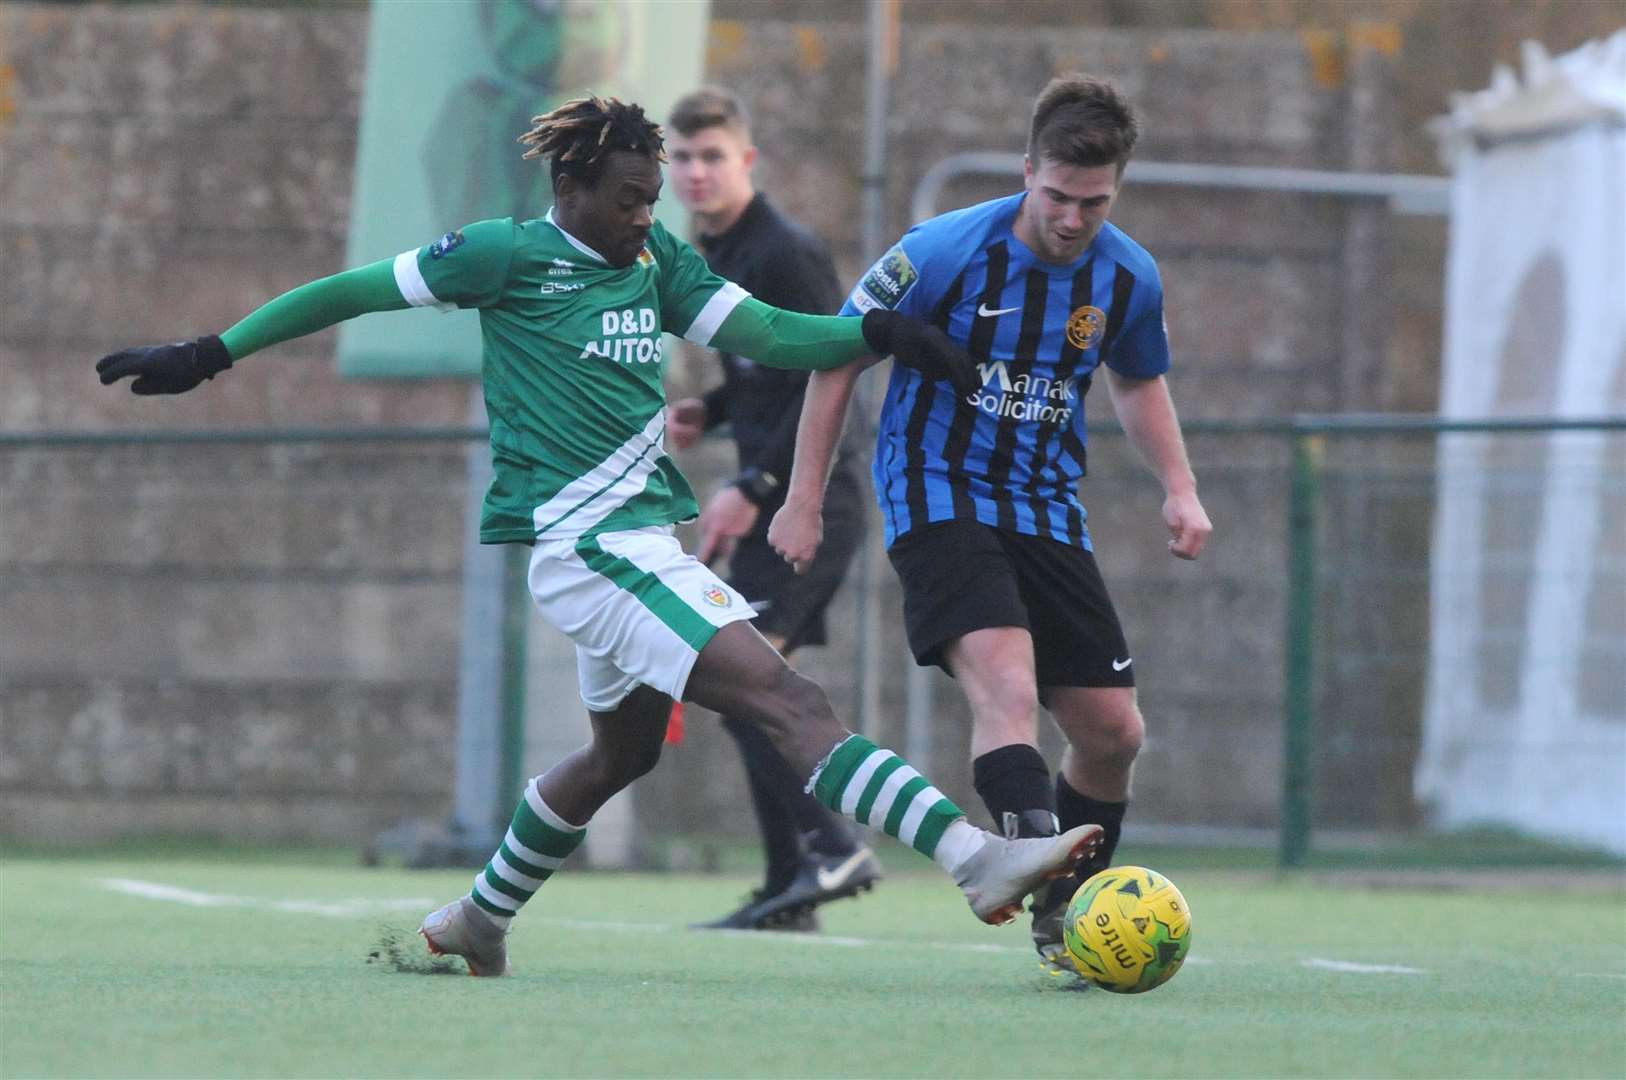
(890, 279)
(1085, 327)
(716, 597)
(446, 244)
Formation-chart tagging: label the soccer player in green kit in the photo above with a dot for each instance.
(572, 308)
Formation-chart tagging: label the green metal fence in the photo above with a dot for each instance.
(1355, 502)
(1313, 474)
(1285, 675)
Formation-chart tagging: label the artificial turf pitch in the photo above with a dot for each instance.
(280, 966)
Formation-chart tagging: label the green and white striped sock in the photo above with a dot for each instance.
(876, 787)
(538, 841)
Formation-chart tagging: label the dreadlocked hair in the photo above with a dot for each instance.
(578, 136)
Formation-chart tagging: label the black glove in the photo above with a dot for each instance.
(920, 346)
(166, 369)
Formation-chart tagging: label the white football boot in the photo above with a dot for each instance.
(1003, 873)
(462, 929)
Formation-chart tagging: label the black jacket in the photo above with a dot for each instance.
(784, 265)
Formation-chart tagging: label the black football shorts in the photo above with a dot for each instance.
(960, 576)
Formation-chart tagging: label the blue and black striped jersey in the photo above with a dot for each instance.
(1010, 455)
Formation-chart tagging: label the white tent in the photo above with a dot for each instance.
(1526, 713)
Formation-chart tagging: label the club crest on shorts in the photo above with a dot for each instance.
(716, 597)
(1085, 327)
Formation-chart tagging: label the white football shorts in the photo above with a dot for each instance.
(638, 607)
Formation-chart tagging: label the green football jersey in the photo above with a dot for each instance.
(573, 362)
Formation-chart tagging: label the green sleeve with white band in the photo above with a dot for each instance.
(777, 338)
(316, 306)
(770, 336)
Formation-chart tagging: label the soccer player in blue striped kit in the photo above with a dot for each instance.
(977, 491)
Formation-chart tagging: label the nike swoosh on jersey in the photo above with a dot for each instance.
(836, 878)
(988, 313)
(1119, 665)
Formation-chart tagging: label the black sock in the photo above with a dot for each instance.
(1073, 809)
(1014, 783)
(771, 793)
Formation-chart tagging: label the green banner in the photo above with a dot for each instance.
(451, 84)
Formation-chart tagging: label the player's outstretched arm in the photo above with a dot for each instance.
(178, 367)
(798, 528)
(1146, 410)
(790, 339)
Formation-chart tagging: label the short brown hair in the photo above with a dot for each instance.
(707, 107)
(1081, 120)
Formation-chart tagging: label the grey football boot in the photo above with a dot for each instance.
(462, 929)
(1003, 873)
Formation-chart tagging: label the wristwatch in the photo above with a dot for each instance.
(759, 485)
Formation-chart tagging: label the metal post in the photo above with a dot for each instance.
(1299, 737)
(880, 63)
(510, 771)
(489, 722)
(478, 807)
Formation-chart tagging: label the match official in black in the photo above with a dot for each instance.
(812, 855)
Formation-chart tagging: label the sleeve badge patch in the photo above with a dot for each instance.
(889, 280)
(446, 244)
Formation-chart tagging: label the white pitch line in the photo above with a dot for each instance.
(1599, 975)
(1361, 969)
(843, 941)
(838, 940)
(810, 939)
(151, 890)
(344, 909)
(154, 891)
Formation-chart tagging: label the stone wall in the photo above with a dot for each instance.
(260, 640)
(241, 640)
(244, 640)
